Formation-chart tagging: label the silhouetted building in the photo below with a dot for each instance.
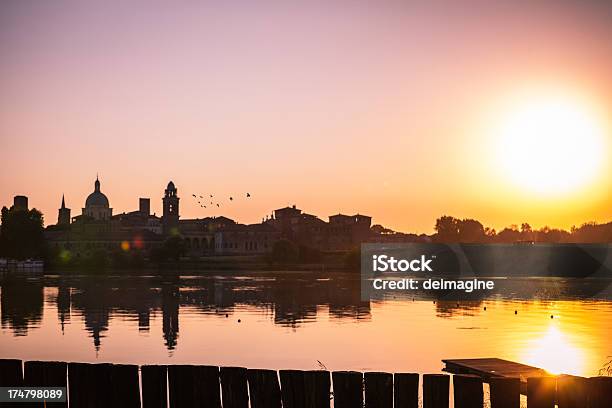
(170, 216)
(63, 216)
(144, 206)
(245, 239)
(20, 203)
(96, 205)
(348, 231)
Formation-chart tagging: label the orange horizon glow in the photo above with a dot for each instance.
(393, 111)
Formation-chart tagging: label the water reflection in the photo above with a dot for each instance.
(295, 320)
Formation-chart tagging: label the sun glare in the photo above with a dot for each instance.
(555, 353)
(550, 145)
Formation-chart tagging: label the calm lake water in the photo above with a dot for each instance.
(303, 321)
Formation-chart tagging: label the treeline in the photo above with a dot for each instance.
(450, 229)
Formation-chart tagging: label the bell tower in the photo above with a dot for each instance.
(63, 216)
(170, 217)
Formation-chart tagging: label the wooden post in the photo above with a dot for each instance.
(600, 392)
(348, 389)
(378, 390)
(406, 388)
(467, 391)
(541, 392)
(435, 390)
(154, 386)
(125, 386)
(46, 374)
(192, 386)
(505, 392)
(234, 387)
(264, 389)
(89, 385)
(571, 392)
(304, 389)
(11, 375)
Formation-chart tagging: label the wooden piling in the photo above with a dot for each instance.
(264, 389)
(505, 392)
(435, 390)
(125, 386)
(194, 386)
(378, 390)
(348, 389)
(541, 392)
(467, 391)
(46, 374)
(305, 389)
(406, 390)
(154, 380)
(600, 392)
(11, 375)
(234, 387)
(571, 392)
(89, 385)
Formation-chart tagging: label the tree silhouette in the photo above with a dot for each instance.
(21, 233)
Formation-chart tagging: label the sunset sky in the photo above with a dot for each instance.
(403, 111)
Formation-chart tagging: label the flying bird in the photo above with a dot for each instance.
(231, 198)
(248, 195)
(201, 197)
(193, 195)
(211, 196)
(217, 204)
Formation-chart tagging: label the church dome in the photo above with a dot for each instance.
(96, 198)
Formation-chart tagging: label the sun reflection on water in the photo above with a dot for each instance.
(555, 353)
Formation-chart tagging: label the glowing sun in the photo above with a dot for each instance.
(550, 145)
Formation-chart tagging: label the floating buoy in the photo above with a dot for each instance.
(485, 308)
(238, 320)
(551, 316)
(226, 315)
(515, 312)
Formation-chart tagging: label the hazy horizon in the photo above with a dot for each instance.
(393, 110)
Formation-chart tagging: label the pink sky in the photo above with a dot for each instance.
(377, 108)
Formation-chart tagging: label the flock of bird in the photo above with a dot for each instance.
(201, 200)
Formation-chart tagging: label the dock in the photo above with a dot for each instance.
(184, 386)
(488, 368)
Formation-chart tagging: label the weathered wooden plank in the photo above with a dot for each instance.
(600, 392)
(89, 385)
(125, 386)
(304, 389)
(571, 392)
(154, 381)
(348, 389)
(234, 387)
(492, 367)
(264, 389)
(467, 391)
(406, 389)
(378, 390)
(194, 386)
(435, 390)
(505, 392)
(46, 374)
(541, 392)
